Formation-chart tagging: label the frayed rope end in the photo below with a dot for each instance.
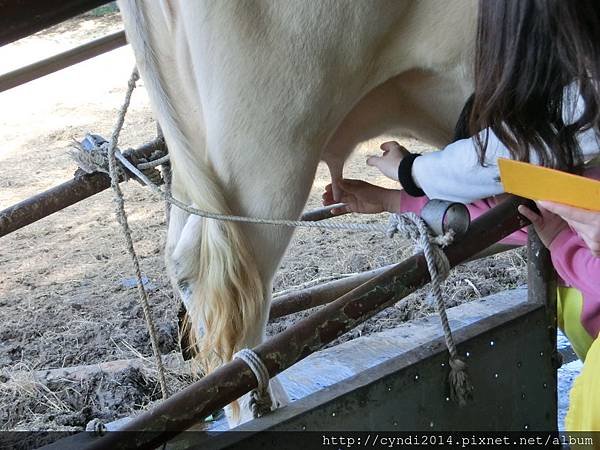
(461, 389)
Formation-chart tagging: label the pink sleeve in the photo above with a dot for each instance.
(408, 203)
(415, 204)
(575, 263)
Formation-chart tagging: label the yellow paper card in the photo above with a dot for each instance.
(541, 183)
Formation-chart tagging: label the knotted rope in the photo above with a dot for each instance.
(260, 400)
(91, 155)
(414, 228)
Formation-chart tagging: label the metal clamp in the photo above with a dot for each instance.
(442, 216)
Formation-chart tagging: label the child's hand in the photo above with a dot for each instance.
(362, 197)
(585, 223)
(390, 160)
(547, 225)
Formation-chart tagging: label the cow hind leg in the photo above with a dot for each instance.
(181, 261)
(189, 267)
(289, 170)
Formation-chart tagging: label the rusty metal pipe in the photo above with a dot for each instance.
(318, 295)
(63, 195)
(234, 379)
(62, 60)
(79, 188)
(21, 18)
(303, 299)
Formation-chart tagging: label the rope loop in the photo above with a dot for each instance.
(260, 400)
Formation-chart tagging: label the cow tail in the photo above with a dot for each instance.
(228, 301)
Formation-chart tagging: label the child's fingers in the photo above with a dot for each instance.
(534, 218)
(333, 190)
(352, 186)
(346, 206)
(327, 198)
(341, 210)
(393, 145)
(547, 214)
(350, 202)
(590, 235)
(567, 212)
(373, 161)
(390, 145)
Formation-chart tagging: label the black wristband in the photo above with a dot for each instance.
(405, 176)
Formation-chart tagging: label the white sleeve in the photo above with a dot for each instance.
(589, 144)
(573, 107)
(455, 174)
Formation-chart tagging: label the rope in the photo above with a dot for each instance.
(260, 400)
(94, 160)
(325, 224)
(415, 229)
(114, 153)
(152, 164)
(167, 179)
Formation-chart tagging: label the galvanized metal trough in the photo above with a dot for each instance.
(396, 380)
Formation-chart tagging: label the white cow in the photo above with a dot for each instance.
(251, 94)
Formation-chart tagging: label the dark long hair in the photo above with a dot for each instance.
(527, 52)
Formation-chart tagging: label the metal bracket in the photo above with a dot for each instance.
(92, 141)
(442, 216)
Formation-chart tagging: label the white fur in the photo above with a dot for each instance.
(251, 94)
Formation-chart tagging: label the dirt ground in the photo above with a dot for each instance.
(66, 292)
